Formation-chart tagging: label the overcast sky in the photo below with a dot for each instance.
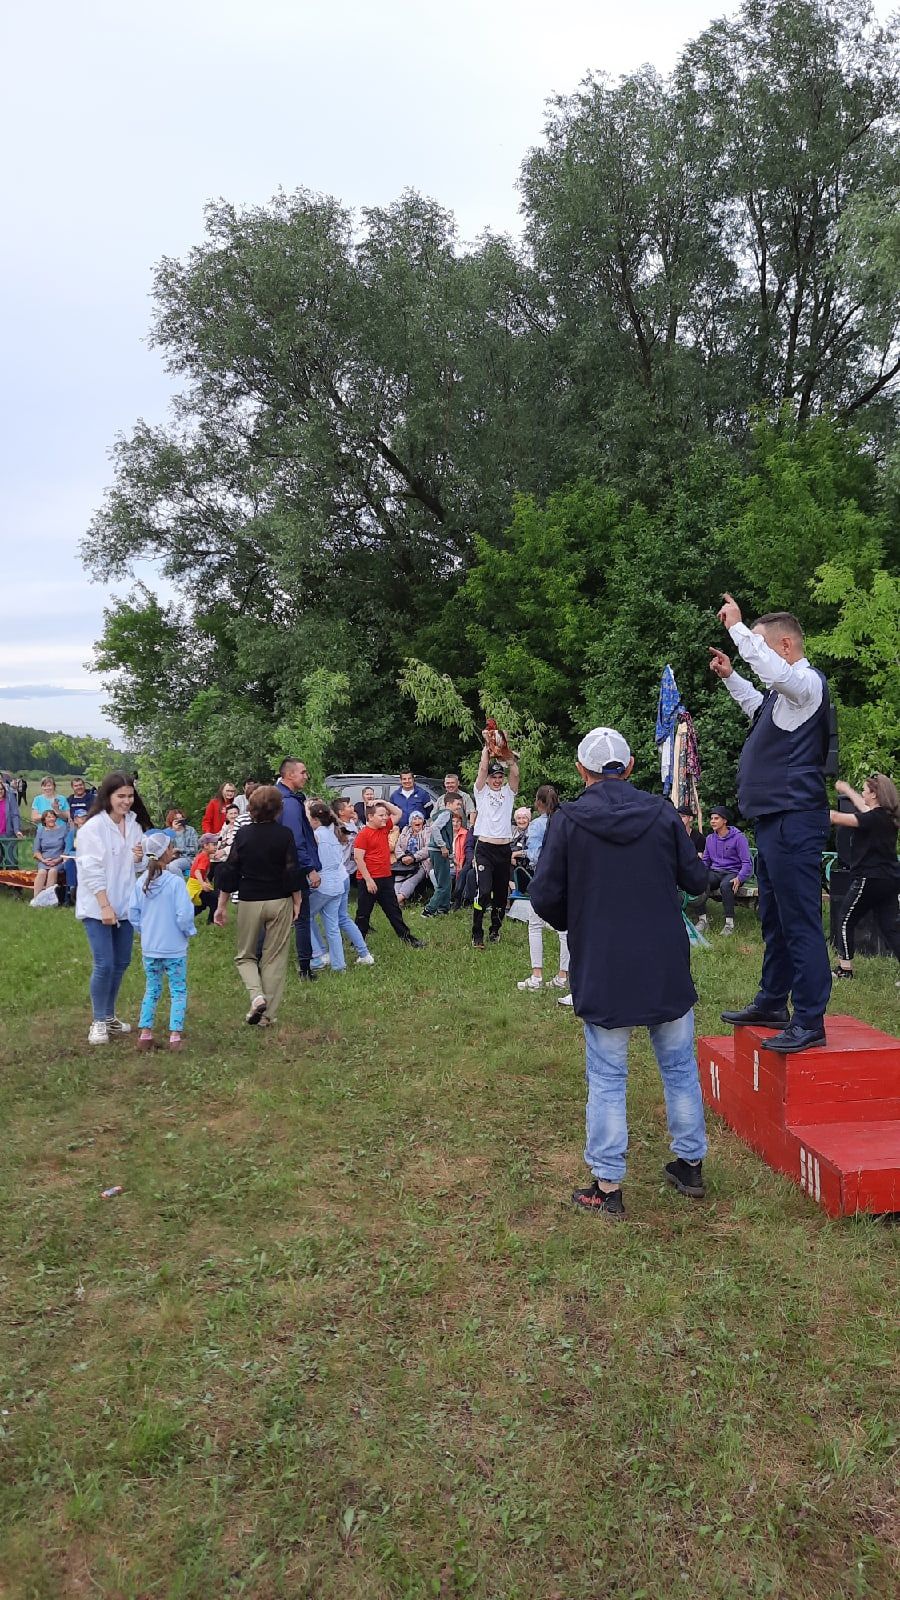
(119, 121)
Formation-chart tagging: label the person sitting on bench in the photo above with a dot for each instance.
(727, 855)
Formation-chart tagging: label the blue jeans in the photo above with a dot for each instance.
(345, 925)
(607, 1077)
(175, 969)
(111, 950)
(440, 866)
(328, 907)
(789, 875)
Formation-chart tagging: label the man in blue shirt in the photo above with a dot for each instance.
(291, 786)
(411, 797)
(81, 799)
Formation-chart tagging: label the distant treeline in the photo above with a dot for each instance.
(16, 745)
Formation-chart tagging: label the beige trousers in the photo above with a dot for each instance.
(274, 918)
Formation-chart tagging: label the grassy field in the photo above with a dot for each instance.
(342, 1336)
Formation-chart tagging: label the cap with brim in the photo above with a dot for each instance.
(156, 844)
(495, 769)
(419, 814)
(604, 750)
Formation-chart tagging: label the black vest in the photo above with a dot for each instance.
(782, 769)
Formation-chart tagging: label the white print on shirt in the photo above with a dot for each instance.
(495, 809)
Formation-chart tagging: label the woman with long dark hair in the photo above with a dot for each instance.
(546, 801)
(214, 815)
(108, 850)
(875, 883)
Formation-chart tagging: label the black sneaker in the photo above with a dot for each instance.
(494, 936)
(416, 944)
(594, 1199)
(686, 1177)
(755, 1016)
(478, 941)
(842, 972)
(306, 975)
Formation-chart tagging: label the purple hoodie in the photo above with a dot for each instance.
(730, 853)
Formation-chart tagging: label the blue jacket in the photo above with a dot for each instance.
(294, 817)
(534, 838)
(331, 855)
(164, 916)
(611, 872)
(419, 800)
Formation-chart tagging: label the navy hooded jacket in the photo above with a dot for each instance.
(610, 873)
(294, 817)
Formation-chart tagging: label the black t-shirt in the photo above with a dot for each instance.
(873, 847)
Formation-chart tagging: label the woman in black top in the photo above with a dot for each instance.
(262, 868)
(873, 862)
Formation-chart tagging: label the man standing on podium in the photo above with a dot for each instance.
(781, 786)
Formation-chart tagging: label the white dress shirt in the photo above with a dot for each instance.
(798, 685)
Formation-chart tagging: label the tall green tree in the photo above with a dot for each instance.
(529, 469)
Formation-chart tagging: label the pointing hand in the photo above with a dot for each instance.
(720, 663)
(730, 611)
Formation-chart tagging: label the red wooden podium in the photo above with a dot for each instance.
(828, 1118)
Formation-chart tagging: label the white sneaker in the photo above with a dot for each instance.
(99, 1033)
(318, 962)
(558, 982)
(565, 1000)
(368, 960)
(702, 924)
(113, 1025)
(531, 983)
(728, 930)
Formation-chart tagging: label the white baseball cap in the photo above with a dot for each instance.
(602, 748)
(156, 844)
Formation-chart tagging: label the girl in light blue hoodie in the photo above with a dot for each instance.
(163, 913)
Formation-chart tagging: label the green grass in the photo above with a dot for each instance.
(341, 1335)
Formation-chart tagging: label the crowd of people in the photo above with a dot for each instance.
(289, 861)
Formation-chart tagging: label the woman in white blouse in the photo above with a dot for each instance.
(108, 849)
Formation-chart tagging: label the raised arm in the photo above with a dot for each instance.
(481, 775)
(743, 692)
(851, 794)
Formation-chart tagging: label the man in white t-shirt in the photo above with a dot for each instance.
(496, 787)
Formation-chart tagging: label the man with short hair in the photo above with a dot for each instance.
(495, 795)
(291, 786)
(781, 786)
(612, 847)
(452, 791)
(81, 799)
(362, 805)
(410, 797)
(727, 856)
(372, 854)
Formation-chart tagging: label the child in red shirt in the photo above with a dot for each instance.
(372, 854)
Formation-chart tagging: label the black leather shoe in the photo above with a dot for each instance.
(795, 1038)
(753, 1016)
